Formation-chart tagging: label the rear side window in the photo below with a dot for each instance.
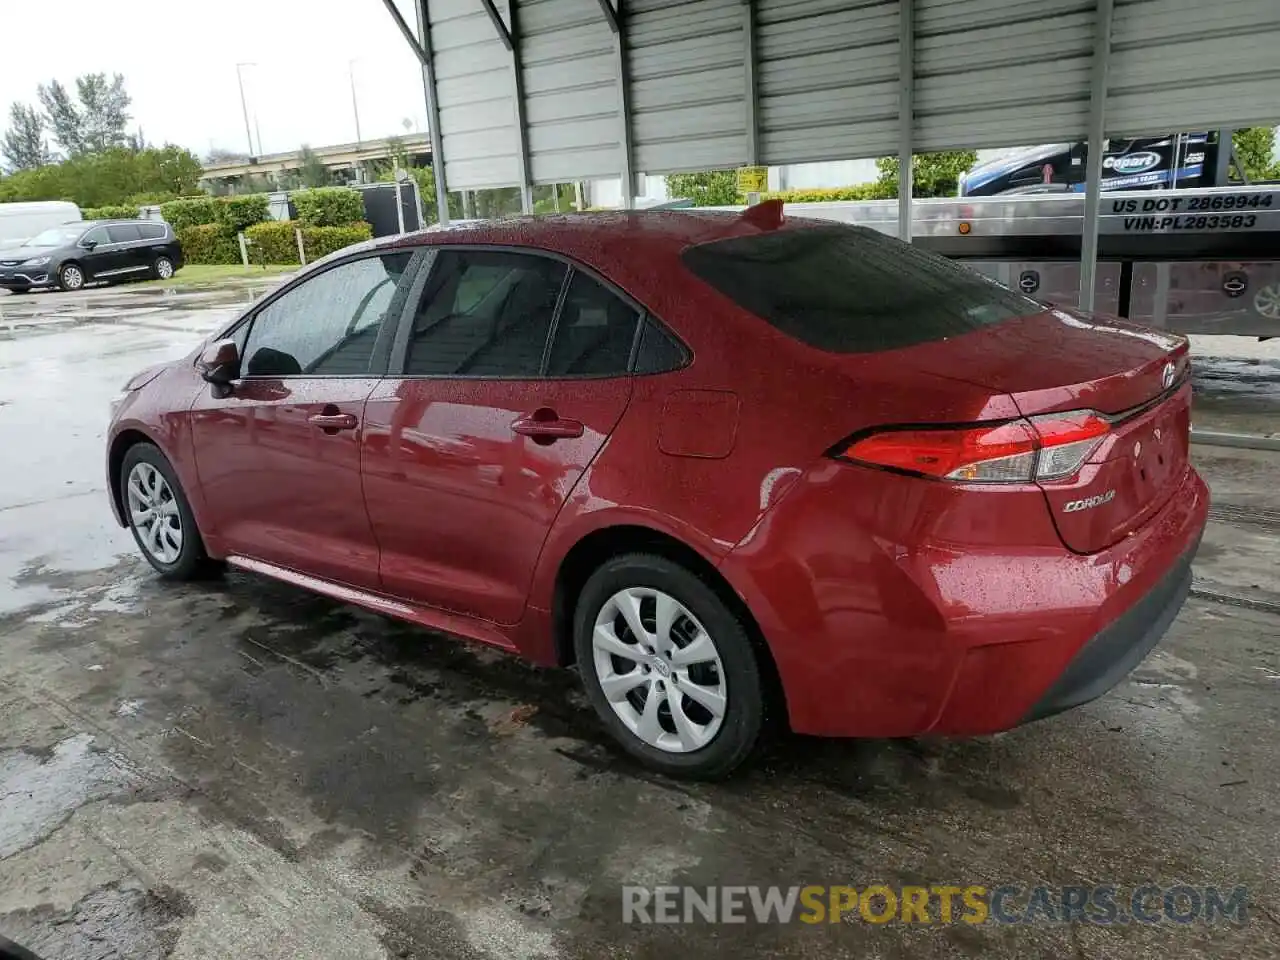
(658, 352)
(594, 333)
(123, 232)
(152, 231)
(852, 290)
(484, 313)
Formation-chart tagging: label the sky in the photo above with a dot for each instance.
(179, 64)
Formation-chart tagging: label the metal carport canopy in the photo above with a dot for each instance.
(522, 92)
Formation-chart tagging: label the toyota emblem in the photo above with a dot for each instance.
(1166, 376)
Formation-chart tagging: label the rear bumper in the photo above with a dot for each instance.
(898, 607)
(1115, 650)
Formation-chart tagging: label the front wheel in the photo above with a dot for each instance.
(71, 277)
(162, 269)
(160, 517)
(669, 668)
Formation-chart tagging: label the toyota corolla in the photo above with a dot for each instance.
(737, 469)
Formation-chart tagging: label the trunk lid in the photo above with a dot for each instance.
(1061, 360)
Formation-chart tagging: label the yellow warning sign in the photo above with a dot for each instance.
(753, 179)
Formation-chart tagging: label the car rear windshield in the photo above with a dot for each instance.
(852, 290)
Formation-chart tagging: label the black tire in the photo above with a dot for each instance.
(740, 732)
(158, 268)
(71, 277)
(192, 562)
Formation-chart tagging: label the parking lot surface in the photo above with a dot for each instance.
(241, 769)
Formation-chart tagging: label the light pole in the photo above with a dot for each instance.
(355, 105)
(355, 109)
(245, 109)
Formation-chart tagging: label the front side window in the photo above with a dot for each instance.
(98, 235)
(484, 313)
(594, 333)
(55, 237)
(327, 326)
(852, 290)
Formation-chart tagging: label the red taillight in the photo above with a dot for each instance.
(1018, 451)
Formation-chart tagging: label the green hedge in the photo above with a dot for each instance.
(239, 213)
(190, 212)
(110, 213)
(208, 243)
(328, 206)
(274, 241)
(863, 191)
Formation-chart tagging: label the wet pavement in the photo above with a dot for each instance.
(238, 768)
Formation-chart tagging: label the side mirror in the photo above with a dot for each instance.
(220, 362)
(88, 244)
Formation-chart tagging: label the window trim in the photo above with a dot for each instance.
(400, 349)
(381, 355)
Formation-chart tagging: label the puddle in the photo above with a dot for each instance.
(39, 789)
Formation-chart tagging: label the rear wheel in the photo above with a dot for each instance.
(162, 269)
(668, 667)
(71, 277)
(160, 517)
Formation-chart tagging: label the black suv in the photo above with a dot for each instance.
(74, 254)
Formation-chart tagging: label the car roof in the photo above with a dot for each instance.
(629, 247)
(106, 223)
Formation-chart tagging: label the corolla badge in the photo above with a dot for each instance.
(1089, 503)
(1138, 162)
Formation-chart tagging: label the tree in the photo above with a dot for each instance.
(1254, 149)
(109, 178)
(312, 171)
(62, 116)
(99, 122)
(23, 144)
(710, 188)
(932, 174)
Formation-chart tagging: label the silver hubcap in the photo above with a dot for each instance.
(164, 269)
(153, 511)
(659, 670)
(72, 277)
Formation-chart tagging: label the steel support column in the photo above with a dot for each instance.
(422, 50)
(752, 93)
(616, 19)
(1097, 144)
(509, 34)
(906, 112)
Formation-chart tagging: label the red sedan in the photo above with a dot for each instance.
(732, 467)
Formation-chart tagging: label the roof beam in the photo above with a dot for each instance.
(409, 38)
(503, 34)
(610, 14)
(1097, 140)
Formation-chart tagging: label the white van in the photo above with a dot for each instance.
(22, 221)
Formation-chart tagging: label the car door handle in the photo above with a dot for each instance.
(333, 421)
(546, 426)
